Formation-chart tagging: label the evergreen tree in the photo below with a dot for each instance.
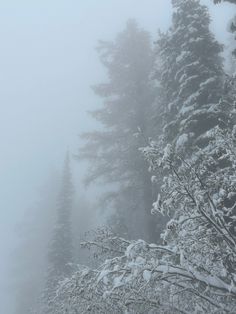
(60, 252)
(197, 98)
(191, 76)
(34, 233)
(127, 124)
(195, 152)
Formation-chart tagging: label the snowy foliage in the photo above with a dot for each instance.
(145, 278)
(193, 272)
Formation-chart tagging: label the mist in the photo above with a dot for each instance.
(48, 63)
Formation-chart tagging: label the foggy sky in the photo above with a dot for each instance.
(47, 64)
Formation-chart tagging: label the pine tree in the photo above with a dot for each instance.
(197, 98)
(195, 152)
(60, 254)
(34, 234)
(126, 120)
(191, 76)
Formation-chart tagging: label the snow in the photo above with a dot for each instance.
(192, 29)
(167, 152)
(186, 109)
(208, 81)
(192, 98)
(117, 282)
(154, 179)
(181, 141)
(147, 274)
(182, 56)
(102, 276)
(195, 40)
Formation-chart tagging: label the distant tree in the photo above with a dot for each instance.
(126, 117)
(28, 274)
(60, 256)
(84, 218)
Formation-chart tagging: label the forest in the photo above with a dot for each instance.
(162, 159)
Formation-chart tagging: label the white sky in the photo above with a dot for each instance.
(47, 63)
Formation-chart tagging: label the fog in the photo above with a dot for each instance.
(48, 62)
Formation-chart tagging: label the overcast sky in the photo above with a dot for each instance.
(47, 64)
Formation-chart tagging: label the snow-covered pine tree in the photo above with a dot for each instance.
(196, 99)
(196, 152)
(191, 75)
(60, 256)
(126, 119)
